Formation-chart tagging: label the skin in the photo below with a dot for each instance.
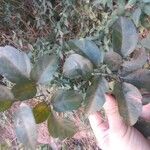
(113, 133)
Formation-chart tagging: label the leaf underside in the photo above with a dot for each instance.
(76, 66)
(44, 69)
(14, 65)
(89, 49)
(25, 126)
(66, 100)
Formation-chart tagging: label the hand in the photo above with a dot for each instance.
(114, 134)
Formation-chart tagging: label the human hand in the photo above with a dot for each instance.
(114, 134)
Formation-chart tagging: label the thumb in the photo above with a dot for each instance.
(114, 119)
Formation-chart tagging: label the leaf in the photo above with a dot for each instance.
(5, 105)
(66, 100)
(95, 95)
(44, 69)
(5, 93)
(24, 90)
(145, 21)
(113, 60)
(89, 49)
(6, 98)
(25, 126)
(124, 36)
(146, 9)
(76, 66)
(139, 78)
(138, 60)
(129, 102)
(143, 127)
(14, 65)
(146, 42)
(41, 112)
(146, 98)
(60, 128)
(131, 2)
(136, 16)
(146, 1)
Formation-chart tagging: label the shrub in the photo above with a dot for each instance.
(83, 76)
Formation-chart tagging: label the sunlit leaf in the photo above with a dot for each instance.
(66, 100)
(5, 105)
(44, 69)
(6, 98)
(76, 66)
(124, 36)
(14, 65)
(139, 78)
(136, 16)
(24, 90)
(25, 126)
(95, 95)
(41, 112)
(129, 102)
(89, 49)
(60, 128)
(113, 60)
(143, 127)
(138, 60)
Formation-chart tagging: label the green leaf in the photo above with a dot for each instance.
(41, 112)
(44, 69)
(136, 16)
(144, 127)
(113, 60)
(76, 66)
(6, 98)
(139, 78)
(5, 105)
(146, 42)
(129, 102)
(138, 60)
(24, 90)
(66, 100)
(89, 49)
(95, 95)
(146, 9)
(60, 127)
(145, 21)
(14, 65)
(25, 126)
(124, 36)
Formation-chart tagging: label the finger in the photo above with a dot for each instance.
(146, 112)
(114, 119)
(99, 126)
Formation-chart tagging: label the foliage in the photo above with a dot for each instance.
(81, 66)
